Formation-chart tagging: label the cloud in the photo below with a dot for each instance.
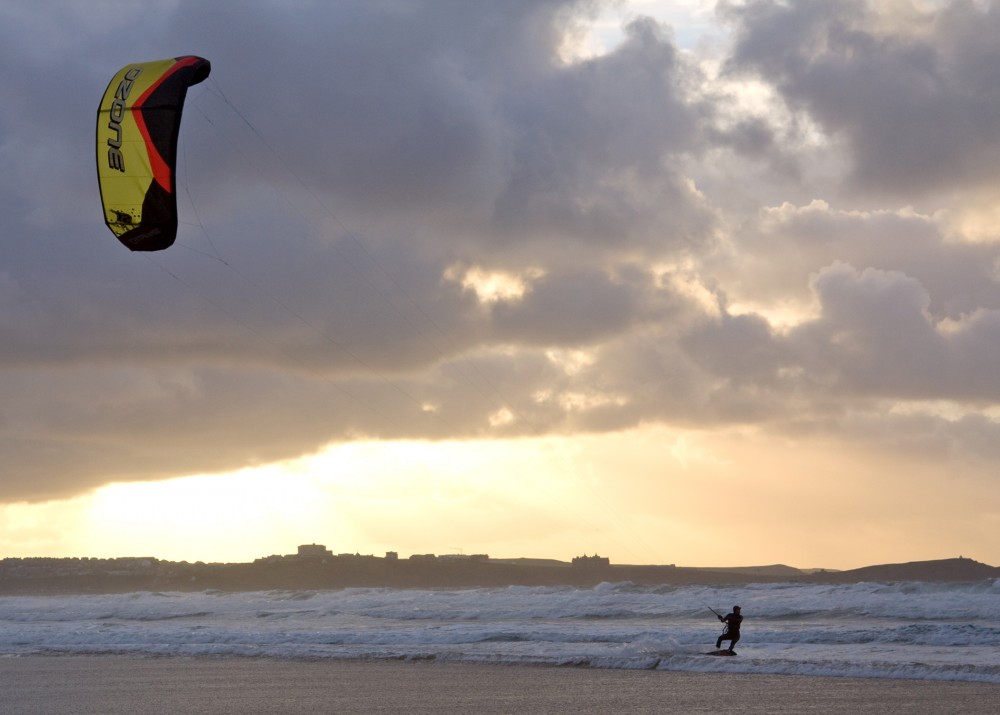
(338, 161)
(908, 86)
(873, 338)
(420, 220)
(959, 276)
(566, 310)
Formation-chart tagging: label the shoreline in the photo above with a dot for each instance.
(111, 684)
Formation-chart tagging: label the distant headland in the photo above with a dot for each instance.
(314, 566)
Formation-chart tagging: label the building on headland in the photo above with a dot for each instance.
(305, 552)
(319, 552)
(591, 561)
(314, 551)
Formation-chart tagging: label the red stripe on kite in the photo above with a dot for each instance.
(161, 172)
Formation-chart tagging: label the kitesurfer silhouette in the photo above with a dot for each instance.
(732, 632)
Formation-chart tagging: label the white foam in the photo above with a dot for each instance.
(926, 631)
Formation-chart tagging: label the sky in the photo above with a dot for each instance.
(668, 282)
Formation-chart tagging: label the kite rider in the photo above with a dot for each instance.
(732, 632)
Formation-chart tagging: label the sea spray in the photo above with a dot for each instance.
(901, 630)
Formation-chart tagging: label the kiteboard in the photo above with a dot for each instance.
(724, 651)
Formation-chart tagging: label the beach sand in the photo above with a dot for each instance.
(113, 684)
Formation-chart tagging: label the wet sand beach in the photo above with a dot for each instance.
(115, 684)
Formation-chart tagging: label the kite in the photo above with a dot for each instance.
(137, 127)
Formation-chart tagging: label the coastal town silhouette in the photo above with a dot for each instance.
(314, 566)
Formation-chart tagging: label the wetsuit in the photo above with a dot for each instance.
(732, 632)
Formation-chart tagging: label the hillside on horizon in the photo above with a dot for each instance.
(953, 569)
(324, 571)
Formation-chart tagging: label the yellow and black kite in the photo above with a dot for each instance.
(137, 127)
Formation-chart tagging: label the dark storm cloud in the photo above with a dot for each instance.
(466, 110)
(912, 88)
(346, 162)
(340, 158)
(597, 144)
(576, 309)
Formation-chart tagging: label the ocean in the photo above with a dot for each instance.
(926, 631)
